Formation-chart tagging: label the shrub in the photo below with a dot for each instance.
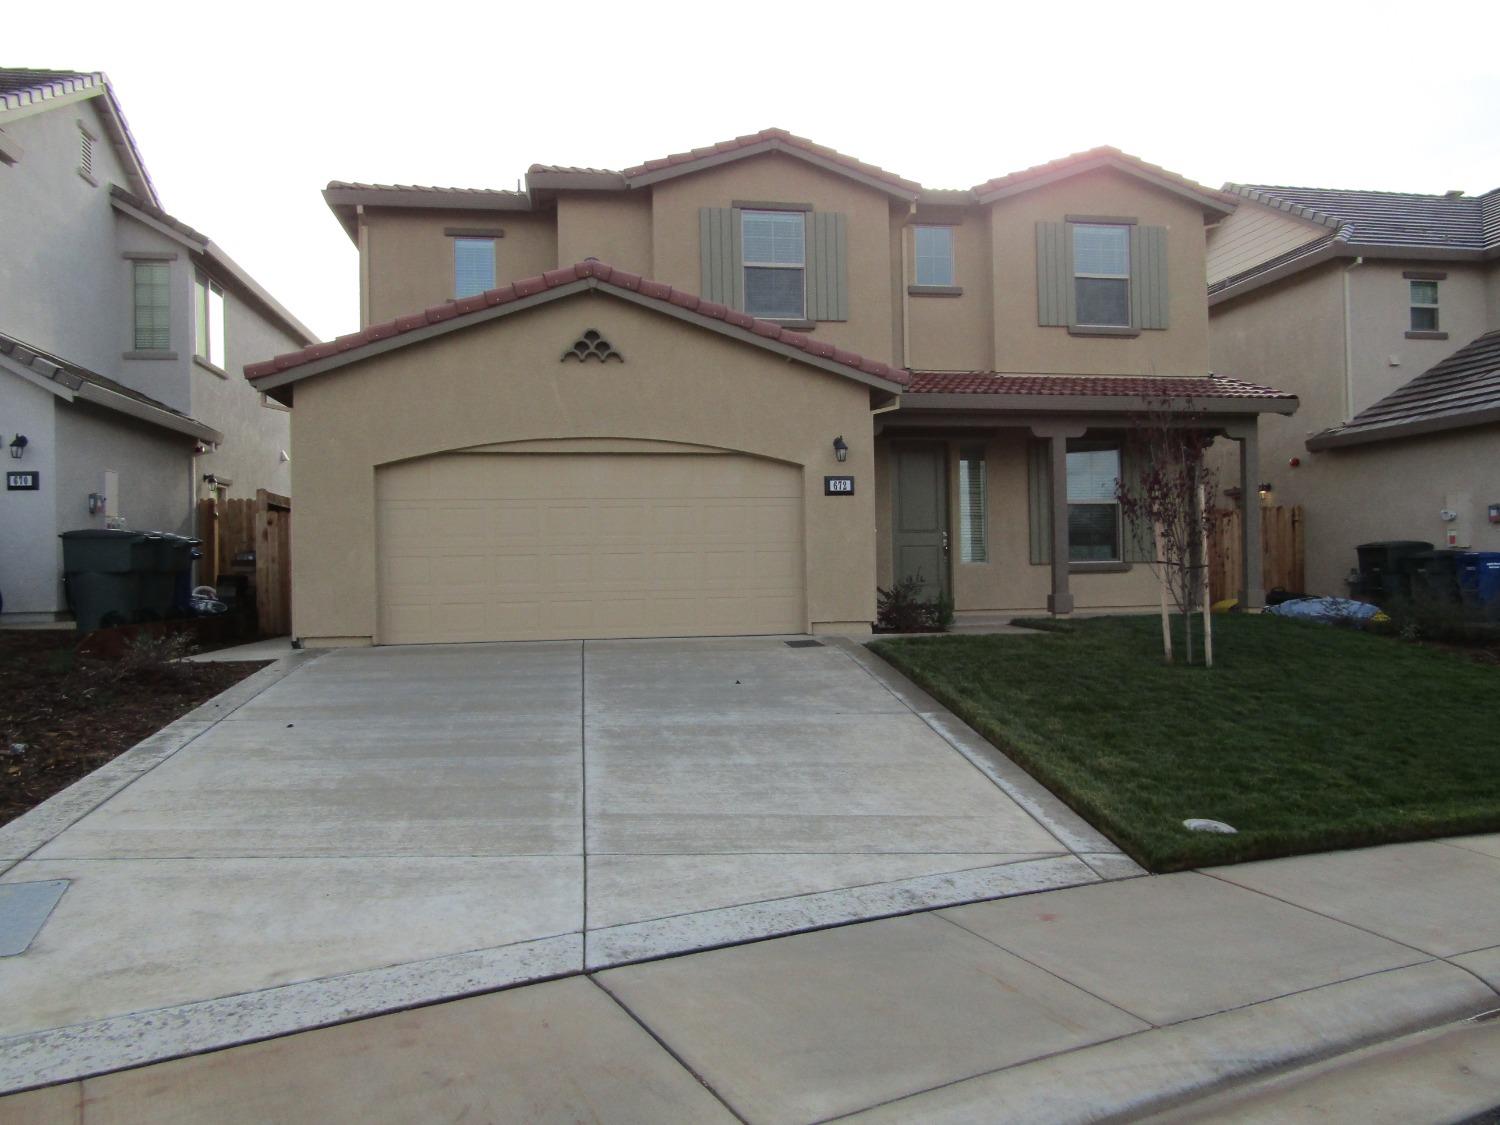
(901, 610)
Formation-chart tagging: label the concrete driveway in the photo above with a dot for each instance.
(363, 830)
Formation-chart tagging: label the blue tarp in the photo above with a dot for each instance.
(1345, 610)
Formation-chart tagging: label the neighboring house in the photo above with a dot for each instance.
(1344, 297)
(838, 379)
(119, 326)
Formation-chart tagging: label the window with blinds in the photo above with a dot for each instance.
(774, 257)
(1424, 306)
(973, 510)
(1101, 275)
(473, 266)
(153, 306)
(1093, 504)
(934, 253)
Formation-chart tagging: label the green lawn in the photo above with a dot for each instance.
(1304, 737)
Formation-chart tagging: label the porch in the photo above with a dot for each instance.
(998, 490)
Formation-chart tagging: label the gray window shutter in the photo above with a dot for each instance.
(1039, 491)
(827, 267)
(1139, 543)
(719, 256)
(1148, 276)
(1054, 275)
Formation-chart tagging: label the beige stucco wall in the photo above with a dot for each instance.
(1007, 581)
(1380, 301)
(613, 227)
(774, 177)
(410, 259)
(502, 381)
(1254, 234)
(1022, 345)
(954, 333)
(1396, 490)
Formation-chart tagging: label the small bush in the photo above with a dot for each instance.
(1425, 617)
(901, 610)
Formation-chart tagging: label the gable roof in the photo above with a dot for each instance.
(1386, 224)
(1214, 203)
(1007, 391)
(101, 390)
(1463, 390)
(24, 91)
(283, 370)
(208, 253)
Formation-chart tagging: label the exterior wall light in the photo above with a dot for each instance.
(840, 449)
(1265, 489)
(18, 446)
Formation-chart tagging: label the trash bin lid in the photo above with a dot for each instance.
(1402, 544)
(103, 533)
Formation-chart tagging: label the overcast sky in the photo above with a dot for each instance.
(245, 111)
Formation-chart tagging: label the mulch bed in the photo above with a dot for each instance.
(64, 714)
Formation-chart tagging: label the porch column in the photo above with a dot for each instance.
(1060, 600)
(1253, 592)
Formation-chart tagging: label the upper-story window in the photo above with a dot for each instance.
(934, 253)
(774, 257)
(208, 321)
(153, 306)
(473, 266)
(1093, 504)
(1424, 306)
(1101, 274)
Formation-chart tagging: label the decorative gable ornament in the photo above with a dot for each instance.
(589, 346)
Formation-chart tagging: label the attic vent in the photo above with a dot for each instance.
(85, 153)
(591, 345)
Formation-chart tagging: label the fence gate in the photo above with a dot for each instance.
(262, 525)
(1280, 551)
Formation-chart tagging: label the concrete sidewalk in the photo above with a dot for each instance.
(1121, 998)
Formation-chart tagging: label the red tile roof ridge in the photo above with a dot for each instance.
(772, 134)
(354, 185)
(1110, 151)
(1131, 386)
(600, 272)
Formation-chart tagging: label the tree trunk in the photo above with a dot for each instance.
(1208, 624)
(1166, 617)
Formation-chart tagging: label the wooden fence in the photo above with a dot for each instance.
(262, 525)
(1280, 551)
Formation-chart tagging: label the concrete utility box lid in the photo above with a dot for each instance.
(1196, 824)
(23, 909)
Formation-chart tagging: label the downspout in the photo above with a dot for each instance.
(363, 244)
(1349, 341)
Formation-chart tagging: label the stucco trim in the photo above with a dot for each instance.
(568, 289)
(1365, 435)
(935, 290)
(214, 368)
(768, 205)
(474, 232)
(1103, 330)
(1103, 220)
(1427, 335)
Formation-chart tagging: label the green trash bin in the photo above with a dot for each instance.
(103, 569)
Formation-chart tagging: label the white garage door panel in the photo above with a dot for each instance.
(533, 546)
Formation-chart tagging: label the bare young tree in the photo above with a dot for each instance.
(1164, 486)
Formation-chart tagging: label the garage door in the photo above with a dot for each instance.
(517, 546)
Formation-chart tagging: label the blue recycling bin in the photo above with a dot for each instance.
(1479, 582)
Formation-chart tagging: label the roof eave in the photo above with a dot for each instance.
(1367, 435)
(907, 192)
(1379, 251)
(1089, 404)
(1211, 206)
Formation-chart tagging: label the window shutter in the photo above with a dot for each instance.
(827, 267)
(719, 256)
(1138, 543)
(1148, 276)
(1054, 275)
(1039, 488)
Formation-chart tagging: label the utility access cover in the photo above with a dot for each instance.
(24, 907)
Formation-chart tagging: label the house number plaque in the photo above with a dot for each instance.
(838, 486)
(28, 481)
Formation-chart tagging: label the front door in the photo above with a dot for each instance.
(919, 523)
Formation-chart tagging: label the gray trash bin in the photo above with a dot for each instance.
(104, 569)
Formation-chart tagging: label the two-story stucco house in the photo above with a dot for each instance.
(1359, 302)
(119, 327)
(837, 378)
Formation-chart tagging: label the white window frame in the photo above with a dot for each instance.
(1414, 304)
(973, 519)
(212, 350)
(1073, 229)
(747, 264)
(1119, 452)
(946, 259)
(461, 240)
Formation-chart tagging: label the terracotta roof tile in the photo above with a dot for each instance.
(785, 138)
(599, 272)
(1123, 386)
(1062, 163)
